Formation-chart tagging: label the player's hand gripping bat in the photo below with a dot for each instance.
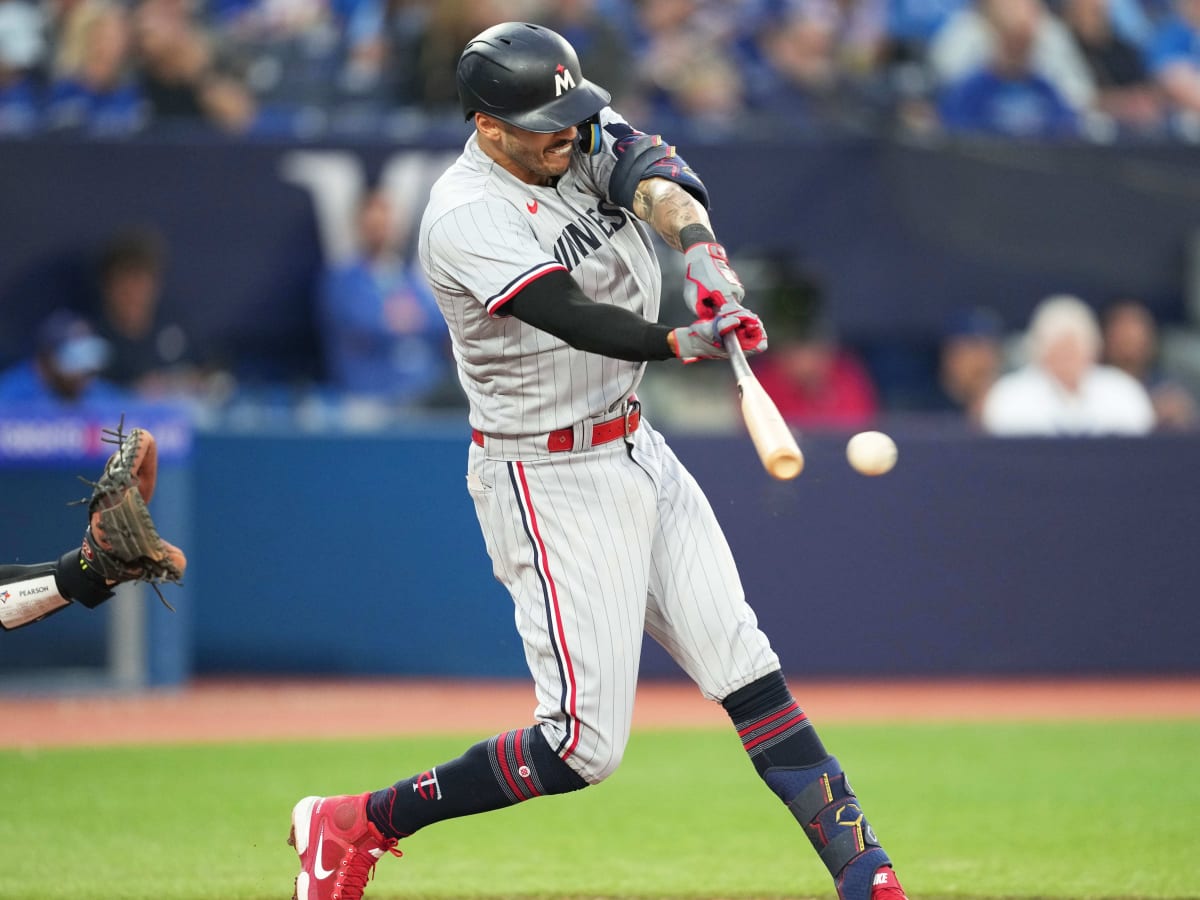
(773, 440)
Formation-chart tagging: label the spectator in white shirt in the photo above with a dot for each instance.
(1063, 389)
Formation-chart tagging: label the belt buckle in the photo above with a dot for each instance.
(632, 409)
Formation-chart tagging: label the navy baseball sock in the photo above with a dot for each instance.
(773, 729)
(791, 759)
(504, 770)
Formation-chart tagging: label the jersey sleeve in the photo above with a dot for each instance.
(484, 249)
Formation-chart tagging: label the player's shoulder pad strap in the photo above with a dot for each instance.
(641, 156)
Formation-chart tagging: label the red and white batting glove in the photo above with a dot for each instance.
(705, 338)
(710, 286)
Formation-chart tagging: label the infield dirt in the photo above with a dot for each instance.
(227, 709)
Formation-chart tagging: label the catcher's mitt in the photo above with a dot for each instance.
(121, 542)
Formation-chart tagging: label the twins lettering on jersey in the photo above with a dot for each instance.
(579, 239)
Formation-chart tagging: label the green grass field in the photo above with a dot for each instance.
(1006, 810)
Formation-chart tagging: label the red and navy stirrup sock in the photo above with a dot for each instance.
(773, 729)
(499, 772)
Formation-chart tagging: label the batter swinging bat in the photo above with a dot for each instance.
(773, 440)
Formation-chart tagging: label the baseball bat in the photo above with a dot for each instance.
(772, 438)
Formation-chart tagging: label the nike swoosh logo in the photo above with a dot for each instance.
(531, 206)
(319, 870)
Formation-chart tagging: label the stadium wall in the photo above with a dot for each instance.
(975, 556)
(341, 554)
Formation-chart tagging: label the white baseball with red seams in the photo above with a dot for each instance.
(603, 542)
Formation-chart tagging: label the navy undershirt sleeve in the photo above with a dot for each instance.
(555, 304)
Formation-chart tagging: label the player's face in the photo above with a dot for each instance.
(535, 158)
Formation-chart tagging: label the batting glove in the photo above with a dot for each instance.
(705, 338)
(711, 288)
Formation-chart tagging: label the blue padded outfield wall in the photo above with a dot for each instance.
(363, 555)
(340, 554)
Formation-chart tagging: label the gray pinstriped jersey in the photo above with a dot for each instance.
(484, 236)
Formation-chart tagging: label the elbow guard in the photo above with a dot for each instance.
(642, 156)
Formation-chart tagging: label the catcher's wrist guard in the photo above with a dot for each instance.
(80, 582)
(28, 594)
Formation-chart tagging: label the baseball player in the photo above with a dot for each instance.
(120, 544)
(537, 246)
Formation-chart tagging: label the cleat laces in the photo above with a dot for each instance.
(357, 868)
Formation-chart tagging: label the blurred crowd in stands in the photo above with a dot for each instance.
(1096, 69)
(1077, 370)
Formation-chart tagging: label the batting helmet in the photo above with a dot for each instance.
(527, 76)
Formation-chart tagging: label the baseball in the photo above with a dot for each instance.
(871, 453)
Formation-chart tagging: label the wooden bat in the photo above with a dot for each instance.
(773, 440)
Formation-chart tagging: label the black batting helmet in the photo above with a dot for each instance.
(527, 76)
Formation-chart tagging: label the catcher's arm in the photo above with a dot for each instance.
(30, 593)
(120, 543)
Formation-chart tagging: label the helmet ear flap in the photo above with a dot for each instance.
(589, 140)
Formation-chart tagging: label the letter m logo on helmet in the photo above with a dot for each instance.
(563, 81)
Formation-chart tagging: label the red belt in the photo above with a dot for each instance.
(602, 432)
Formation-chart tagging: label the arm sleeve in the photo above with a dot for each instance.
(555, 304)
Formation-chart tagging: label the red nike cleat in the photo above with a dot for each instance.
(338, 847)
(886, 886)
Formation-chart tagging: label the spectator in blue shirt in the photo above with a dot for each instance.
(64, 368)
(383, 334)
(19, 111)
(1173, 56)
(96, 94)
(1007, 97)
(814, 62)
(21, 50)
